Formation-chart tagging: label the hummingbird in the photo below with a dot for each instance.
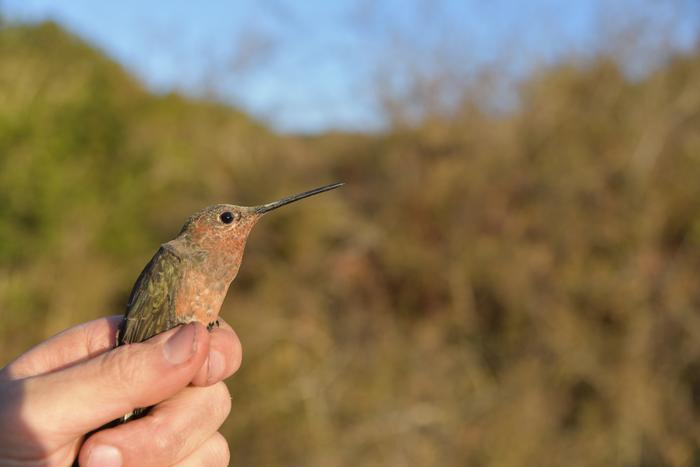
(188, 277)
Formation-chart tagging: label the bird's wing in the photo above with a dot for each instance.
(151, 306)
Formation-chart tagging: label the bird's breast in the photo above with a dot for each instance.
(200, 297)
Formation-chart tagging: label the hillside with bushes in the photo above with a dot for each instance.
(488, 289)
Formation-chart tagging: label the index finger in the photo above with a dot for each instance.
(67, 348)
(225, 354)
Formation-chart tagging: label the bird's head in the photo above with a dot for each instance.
(221, 230)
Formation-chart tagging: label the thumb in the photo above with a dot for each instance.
(81, 398)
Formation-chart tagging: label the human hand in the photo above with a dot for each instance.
(73, 383)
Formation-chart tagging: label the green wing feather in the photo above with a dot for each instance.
(151, 306)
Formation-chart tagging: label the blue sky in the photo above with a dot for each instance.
(317, 65)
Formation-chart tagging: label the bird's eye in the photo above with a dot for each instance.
(226, 217)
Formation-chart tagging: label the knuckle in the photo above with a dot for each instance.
(95, 342)
(218, 453)
(123, 369)
(220, 400)
(165, 440)
(119, 367)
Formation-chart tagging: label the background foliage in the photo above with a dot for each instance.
(489, 289)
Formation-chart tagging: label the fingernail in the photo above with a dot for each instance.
(104, 456)
(215, 367)
(181, 345)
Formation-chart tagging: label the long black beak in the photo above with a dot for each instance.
(262, 209)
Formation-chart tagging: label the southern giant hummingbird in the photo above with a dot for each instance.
(188, 277)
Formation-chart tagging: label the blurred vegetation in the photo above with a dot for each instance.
(487, 290)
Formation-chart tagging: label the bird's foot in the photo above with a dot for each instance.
(211, 325)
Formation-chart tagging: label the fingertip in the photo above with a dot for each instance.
(101, 455)
(226, 340)
(102, 444)
(237, 355)
(224, 358)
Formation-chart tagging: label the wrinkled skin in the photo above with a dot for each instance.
(73, 383)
